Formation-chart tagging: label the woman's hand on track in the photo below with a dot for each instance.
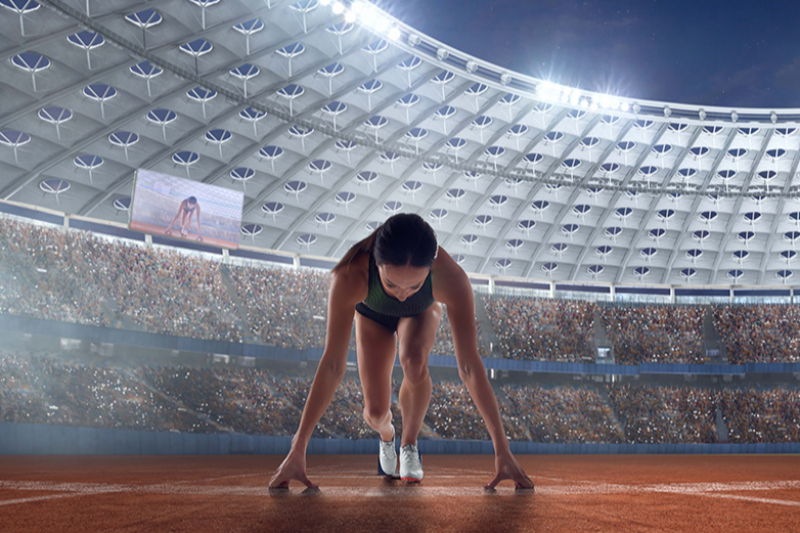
(293, 467)
(507, 467)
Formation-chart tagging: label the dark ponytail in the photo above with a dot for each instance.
(404, 239)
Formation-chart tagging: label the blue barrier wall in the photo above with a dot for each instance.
(39, 439)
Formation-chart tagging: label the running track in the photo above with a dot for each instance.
(729, 494)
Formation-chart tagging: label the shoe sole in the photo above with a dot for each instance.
(410, 479)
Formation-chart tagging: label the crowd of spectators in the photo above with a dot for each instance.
(759, 333)
(558, 414)
(452, 413)
(285, 308)
(39, 389)
(542, 329)
(76, 276)
(37, 278)
(55, 273)
(663, 414)
(655, 333)
(48, 389)
(761, 414)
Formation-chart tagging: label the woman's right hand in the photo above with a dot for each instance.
(293, 467)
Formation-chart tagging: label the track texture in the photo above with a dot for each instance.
(573, 493)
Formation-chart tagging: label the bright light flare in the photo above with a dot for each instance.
(394, 33)
(350, 17)
(338, 8)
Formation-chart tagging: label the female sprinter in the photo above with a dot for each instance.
(394, 283)
(188, 207)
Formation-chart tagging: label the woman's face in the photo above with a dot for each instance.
(401, 282)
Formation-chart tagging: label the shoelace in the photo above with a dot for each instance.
(410, 454)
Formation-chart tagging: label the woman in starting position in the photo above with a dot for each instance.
(394, 283)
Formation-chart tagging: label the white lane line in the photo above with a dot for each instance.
(400, 490)
(752, 499)
(40, 498)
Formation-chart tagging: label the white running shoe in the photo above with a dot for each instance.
(387, 457)
(410, 464)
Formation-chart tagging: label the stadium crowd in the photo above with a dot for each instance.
(558, 414)
(758, 333)
(761, 414)
(539, 329)
(40, 389)
(75, 276)
(655, 333)
(48, 389)
(662, 414)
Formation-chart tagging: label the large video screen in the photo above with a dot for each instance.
(185, 209)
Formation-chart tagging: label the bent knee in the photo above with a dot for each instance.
(374, 414)
(415, 369)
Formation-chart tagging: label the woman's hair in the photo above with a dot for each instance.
(192, 200)
(404, 239)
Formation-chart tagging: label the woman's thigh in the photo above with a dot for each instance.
(376, 347)
(417, 334)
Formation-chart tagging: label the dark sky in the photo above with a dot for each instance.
(734, 54)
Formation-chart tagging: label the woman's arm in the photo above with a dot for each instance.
(169, 229)
(197, 218)
(332, 366)
(347, 289)
(452, 288)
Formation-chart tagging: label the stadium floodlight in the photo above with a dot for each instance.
(325, 2)
(350, 17)
(338, 8)
(394, 33)
(357, 7)
(624, 107)
(548, 90)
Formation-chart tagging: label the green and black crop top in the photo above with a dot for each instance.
(380, 302)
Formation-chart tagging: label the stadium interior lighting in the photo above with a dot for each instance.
(338, 8)
(548, 90)
(357, 7)
(394, 33)
(325, 2)
(349, 17)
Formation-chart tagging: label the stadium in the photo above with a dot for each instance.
(631, 264)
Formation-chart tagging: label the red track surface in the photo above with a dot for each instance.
(729, 494)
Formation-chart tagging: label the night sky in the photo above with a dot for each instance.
(733, 54)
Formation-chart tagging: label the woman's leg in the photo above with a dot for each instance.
(416, 334)
(376, 347)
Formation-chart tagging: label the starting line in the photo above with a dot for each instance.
(399, 490)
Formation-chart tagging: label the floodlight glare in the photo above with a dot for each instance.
(338, 8)
(349, 17)
(624, 107)
(325, 2)
(357, 7)
(548, 90)
(394, 33)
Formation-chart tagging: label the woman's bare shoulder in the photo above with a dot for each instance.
(353, 279)
(449, 279)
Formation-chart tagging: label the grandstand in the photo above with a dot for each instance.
(631, 260)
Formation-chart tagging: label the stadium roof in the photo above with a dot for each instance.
(331, 116)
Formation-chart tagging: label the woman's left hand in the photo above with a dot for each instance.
(507, 467)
